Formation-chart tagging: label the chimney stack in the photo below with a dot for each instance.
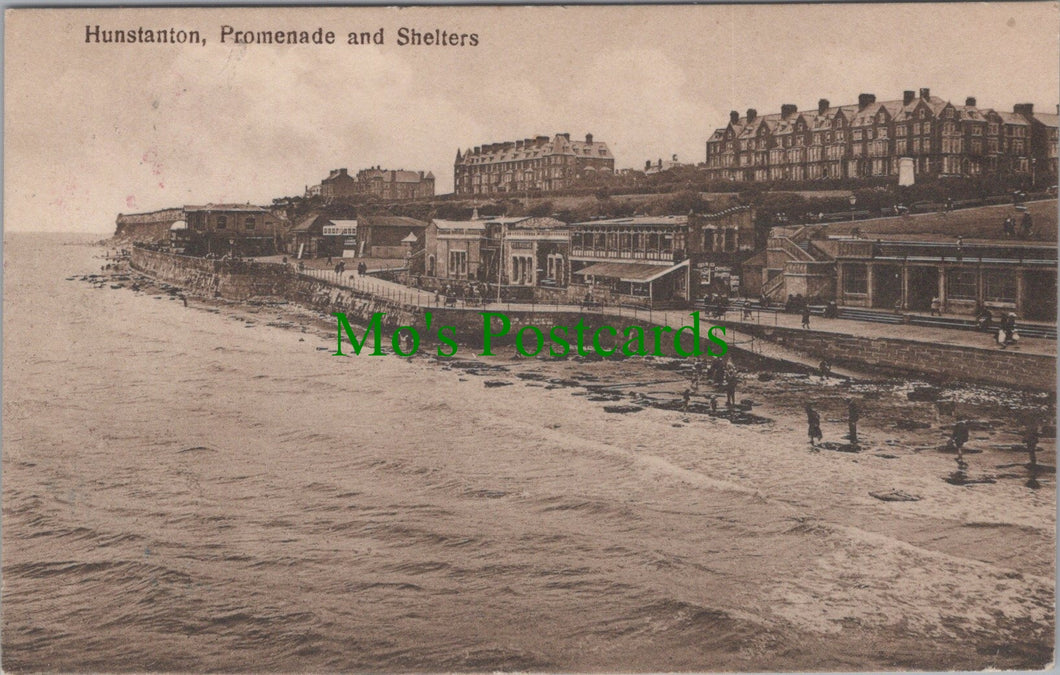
(788, 109)
(647, 164)
(907, 96)
(589, 138)
(970, 101)
(822, 106)
(925, 93)
(734, 116)
(865, 100)
(1023, 109)
(751, 114)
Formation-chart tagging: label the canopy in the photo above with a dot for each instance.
(640, 273)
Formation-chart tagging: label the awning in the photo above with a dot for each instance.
(639, 273)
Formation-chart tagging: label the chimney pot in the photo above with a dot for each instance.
(1023, 109)
(907, 96)
(751, 114)
(788, 109)
(925, 93)
(970, 101)
(822, 105)
(865, 100)
(588, 138)
(734, 116)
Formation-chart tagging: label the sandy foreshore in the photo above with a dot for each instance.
(871, 559)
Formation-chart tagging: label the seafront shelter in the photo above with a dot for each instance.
(1001, 276)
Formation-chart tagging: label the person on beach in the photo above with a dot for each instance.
(685, 398)
(959, 438)
(713, 403)
(697, 375)
(813, 424)
(806, 316)
(716, 371)
(1030, 442)
(825, 368)
(853, 415)
(731, 379)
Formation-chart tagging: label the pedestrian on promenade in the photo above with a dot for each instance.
(1026, 225)
(806, 316)
(329, 261)
(853, 415)
(1007, 334)
(936, 306)
(813, 424)
(960, 248)
(1009, 228)
(959, 438)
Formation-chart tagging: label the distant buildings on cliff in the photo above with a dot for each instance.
(872, 138)
(384, 184)
(539, 164)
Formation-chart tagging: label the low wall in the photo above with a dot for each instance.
(923, 360)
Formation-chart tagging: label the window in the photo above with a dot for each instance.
(855, 278)
(457, 263)
(249, 223)
(222, 222)
(999, 285)
(961, 284)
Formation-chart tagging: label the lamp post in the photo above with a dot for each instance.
(853, 201)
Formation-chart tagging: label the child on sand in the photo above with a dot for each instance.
(813, 424)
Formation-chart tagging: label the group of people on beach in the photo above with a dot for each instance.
(813, 423)
(722, 373)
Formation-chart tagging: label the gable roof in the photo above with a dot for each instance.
(390, 221)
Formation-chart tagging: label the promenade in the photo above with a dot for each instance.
(739, 334)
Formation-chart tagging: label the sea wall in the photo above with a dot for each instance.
(923, 360)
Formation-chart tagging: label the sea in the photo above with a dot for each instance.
(193, 489)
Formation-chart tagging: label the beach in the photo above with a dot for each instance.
(208, 488)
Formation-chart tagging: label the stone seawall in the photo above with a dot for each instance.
(923, 360)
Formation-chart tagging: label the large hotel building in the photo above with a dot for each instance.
(539, 163)
(867, 139)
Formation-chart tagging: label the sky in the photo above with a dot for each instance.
(93, 130)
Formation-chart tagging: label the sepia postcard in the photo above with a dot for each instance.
(625, 338)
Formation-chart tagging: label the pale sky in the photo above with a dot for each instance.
(92, 130)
